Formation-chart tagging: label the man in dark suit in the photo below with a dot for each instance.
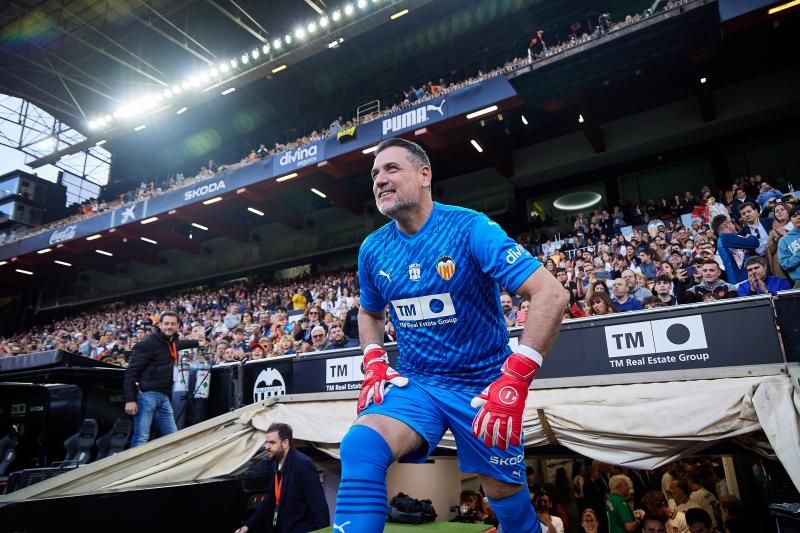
(295, 502)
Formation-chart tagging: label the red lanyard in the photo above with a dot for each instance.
(278, 483)
(173, 352)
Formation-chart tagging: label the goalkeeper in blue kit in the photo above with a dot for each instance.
(438, 269)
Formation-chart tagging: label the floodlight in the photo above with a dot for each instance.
(93, 124)
(223, 67)
(245, 59)
(287, 38)
(185, 85)
(234, 63)
(323, 22)
(276, 44)
(362, 4)
(107, 119)
(255, 53)
(176, 89)
(348, 9)
(300, 33)
(204, 76)
(337, 15)
(213, 72)
(265, 48)
(312, 27)
(167, 93)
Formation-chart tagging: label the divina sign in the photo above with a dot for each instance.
(300, 155)
(203, 190)
(62, 235)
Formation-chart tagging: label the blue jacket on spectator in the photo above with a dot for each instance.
(649, 270)
(631, 304)
(764, 197)
(773, 283)
(729, 244)
(789, 253)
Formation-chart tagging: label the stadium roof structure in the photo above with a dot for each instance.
(660, 60)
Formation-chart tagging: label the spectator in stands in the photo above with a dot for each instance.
(620, 516)
(338, 340)
(759, 281)
(522, 314)
(655, 505)
(651, 524)
(711, 284)
(679, 488)
(647, 266)
(636, 292)
(699, 521)
(549, 522)
(622, 298)
(299, 300)
(233, 317)
(781, 223)
(740, 198)
(753, 225)
(733, 514)
(664, 290)
(238, 340)
(702, 498)
(589, 521)
(318, 341)
(789, 248)
(147, 385)
(509, 312)
(599, 304)
(766, 192)
(285, 346)
(733, 248)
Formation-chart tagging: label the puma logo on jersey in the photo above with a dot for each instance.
(385, 274)
(341, 528)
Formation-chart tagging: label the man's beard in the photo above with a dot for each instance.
(396, 211)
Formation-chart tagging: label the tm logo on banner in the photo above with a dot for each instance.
(656, 336)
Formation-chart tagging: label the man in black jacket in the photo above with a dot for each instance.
(148, 379)
(295, 502)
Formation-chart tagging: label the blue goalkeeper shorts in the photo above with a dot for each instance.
(431, 410)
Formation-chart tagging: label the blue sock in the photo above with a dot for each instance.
(516, 513)
(361, 505)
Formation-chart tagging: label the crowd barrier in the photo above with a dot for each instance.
(701, 341)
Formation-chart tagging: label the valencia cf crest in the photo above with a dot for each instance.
(446, 267)
(413, 272)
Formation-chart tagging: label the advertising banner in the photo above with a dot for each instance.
(309, 154)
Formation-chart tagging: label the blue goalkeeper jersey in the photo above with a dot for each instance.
(442, 287)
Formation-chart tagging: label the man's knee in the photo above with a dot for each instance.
(401, 439)
(497, 489)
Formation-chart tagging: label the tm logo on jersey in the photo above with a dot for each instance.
(424, 311)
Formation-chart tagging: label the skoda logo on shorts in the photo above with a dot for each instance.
(508, 395)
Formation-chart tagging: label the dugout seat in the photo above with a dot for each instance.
(115, 440)
(79, 446)
(8, 450)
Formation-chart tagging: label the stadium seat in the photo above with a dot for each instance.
(115, 440)
(79, 446)
(8, 450)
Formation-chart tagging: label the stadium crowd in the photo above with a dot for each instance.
(689, 495)
(624, 258)
(416, 93)
(573, 496)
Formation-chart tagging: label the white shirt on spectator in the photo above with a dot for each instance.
(558, 525)
(705, 501)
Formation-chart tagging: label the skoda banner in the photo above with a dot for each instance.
(310, 154)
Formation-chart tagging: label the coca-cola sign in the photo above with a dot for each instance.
(62, 235)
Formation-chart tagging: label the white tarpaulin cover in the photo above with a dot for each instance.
(639, 425)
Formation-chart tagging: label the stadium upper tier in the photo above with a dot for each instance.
(441, 101)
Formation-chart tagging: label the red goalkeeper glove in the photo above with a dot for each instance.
(378, 377)
(499, 421)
